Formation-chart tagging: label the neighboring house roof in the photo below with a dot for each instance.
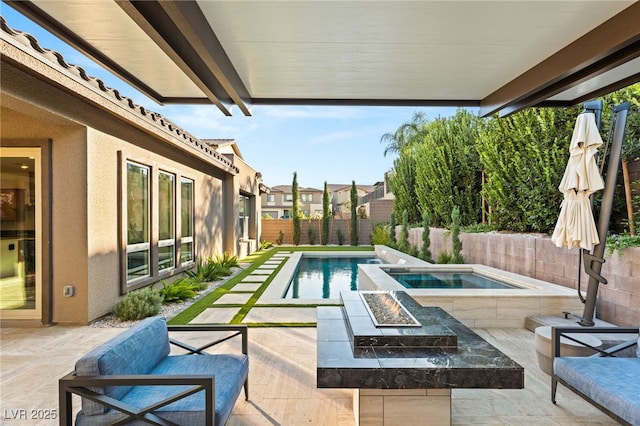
(335, 187)
(225, 146)
(288, 189)
(28, 44)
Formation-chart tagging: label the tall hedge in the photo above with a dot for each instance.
(448, 169)
(524, 157)
(403, 187)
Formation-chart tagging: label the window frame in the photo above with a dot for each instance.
(171, 241)
(182, 239)
(138, 247)
(154, 243)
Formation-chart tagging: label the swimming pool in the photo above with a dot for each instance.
(448, 280)
(324, 277)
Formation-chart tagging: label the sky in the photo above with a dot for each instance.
(321, 143)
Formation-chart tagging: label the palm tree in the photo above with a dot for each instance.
(405, 136)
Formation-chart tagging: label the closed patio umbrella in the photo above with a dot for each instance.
(576, 226)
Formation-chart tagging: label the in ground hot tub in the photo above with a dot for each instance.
(479, 296)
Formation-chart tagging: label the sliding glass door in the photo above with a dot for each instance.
(20, 234)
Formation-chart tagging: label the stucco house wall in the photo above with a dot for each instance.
(87, 132)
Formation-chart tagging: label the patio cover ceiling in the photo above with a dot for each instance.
(501, 56)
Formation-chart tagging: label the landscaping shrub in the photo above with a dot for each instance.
(380, 235)
(179, 290)
(280, 238)
(138, 304)
(265, 245)
(311, 233)
(444, 257)
(209, 271)
(225, 261)
(340, 236)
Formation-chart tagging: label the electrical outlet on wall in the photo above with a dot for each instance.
(68, 290)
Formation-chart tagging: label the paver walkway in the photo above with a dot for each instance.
(239, 296)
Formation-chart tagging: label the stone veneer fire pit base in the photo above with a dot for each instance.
(400, 375)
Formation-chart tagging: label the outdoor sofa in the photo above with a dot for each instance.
(133, 376)
(609, 379)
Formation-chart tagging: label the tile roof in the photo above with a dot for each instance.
(30, 45)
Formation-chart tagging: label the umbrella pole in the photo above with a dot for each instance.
(594, 107)
(593, 262)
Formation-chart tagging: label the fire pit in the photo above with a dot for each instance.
(386, 311)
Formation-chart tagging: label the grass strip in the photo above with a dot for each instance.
(206, 301)
(242, 313)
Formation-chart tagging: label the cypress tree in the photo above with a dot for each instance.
(403, 245)
(456, 243)
(425, 253)
(392, 232)
(296, 209)
(354, 217)
(326, 215)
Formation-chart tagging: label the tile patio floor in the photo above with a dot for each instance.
(282, 378)
(282, 381)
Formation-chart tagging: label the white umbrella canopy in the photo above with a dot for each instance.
(576, 226)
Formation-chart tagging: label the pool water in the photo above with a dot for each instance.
(449, 280)
(325, 277)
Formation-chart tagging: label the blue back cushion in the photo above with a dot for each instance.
(136, 351)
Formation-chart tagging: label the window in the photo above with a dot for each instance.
(186, 216)
(271, 198)
(243, 217)
(137, 209)
(288, 197)
(166, 221)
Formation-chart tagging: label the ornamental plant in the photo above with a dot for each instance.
(456, 243)
(403, 244)
(425, 252)
(138, 304)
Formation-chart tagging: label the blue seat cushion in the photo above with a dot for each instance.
(613, 383)
(230, 374)
(136, 351)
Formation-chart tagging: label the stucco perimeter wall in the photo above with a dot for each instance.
(537, 257)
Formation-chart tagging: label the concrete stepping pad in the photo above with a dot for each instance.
(215, 315)
(233, 299)
(281, 314)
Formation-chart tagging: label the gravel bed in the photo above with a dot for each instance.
(167, 310)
